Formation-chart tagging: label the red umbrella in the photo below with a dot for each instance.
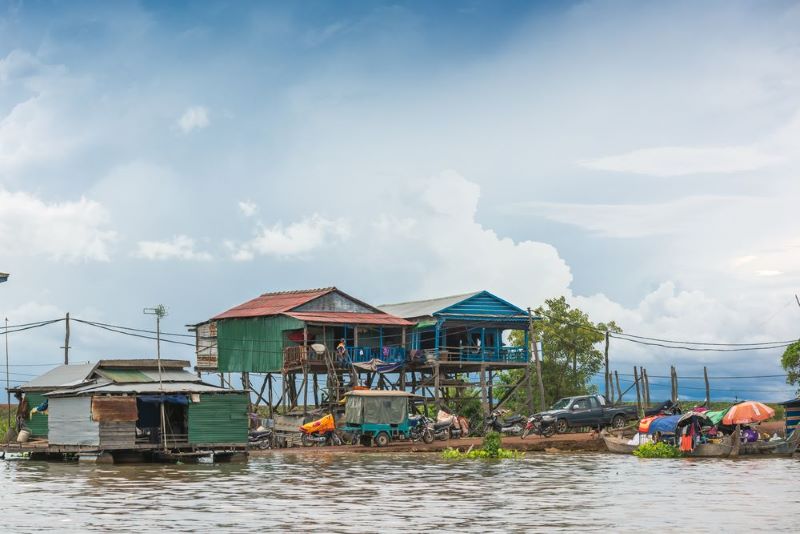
(747, 412)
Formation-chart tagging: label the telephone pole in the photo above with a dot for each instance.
(66, 341)
(536, 360)
(159, 311)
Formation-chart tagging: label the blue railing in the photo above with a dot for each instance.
(488, 354)
(387, 354)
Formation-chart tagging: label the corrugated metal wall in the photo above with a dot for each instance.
(70, 422)
(219, 418)
(253, 344)
(117, 435)
(38, 423)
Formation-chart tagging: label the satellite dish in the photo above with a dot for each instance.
(319, 348)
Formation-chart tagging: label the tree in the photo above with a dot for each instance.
(570, 353)
(791, 363)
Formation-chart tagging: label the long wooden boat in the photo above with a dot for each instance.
(782, 447)
(618, 443)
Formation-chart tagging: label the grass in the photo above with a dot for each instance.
(4, 411)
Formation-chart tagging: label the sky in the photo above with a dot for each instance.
(639, 158)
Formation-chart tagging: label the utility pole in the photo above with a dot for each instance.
(159, 311)
(537, 361)
(8, 385)
(66, 341)
(608, 373)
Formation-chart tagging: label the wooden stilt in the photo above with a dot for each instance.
(316, 390)
(619, 390)
(484, 396)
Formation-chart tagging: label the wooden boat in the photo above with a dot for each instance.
(782, 447)
(617, 443)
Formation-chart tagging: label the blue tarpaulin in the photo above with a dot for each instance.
(665, 425)
(167, 399)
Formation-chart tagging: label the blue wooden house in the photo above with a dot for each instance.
(464, 328)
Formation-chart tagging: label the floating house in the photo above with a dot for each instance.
(115, 406)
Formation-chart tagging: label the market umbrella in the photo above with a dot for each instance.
(747, 412)
(716, 415)
(700, 417)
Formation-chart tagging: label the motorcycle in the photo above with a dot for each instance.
(542, 425)
(320, 432)
(512, 426)
(260, 439)
(448, 426)
(420, 429)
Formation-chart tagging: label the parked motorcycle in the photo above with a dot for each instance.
(513, 426)
(542, 425)
(320, 432)
(260, 439)
(420, 429)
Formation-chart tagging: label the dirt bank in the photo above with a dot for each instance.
(562, 442)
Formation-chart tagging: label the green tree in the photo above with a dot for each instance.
(791, 363)
(571, 354)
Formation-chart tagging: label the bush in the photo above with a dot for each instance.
(491, 449)
(657, 450)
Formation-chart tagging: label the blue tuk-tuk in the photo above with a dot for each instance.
(377, 416)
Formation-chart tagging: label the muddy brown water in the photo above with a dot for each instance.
(285, 492)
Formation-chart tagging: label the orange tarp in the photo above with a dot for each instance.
(326, 424)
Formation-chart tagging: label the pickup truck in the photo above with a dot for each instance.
(588, 411)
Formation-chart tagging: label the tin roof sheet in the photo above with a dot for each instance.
(60, 377)
(274, 303)
(383, 319)
(104, 386)
(424, 308)
(380, 393)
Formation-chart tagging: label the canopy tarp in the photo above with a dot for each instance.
(665, 425)
(167, 399)
(378, 366)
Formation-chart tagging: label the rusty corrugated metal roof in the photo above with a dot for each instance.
(350, 318)
(274, 303)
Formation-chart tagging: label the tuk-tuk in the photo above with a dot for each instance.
(377, 416)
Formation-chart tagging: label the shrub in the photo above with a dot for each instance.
(491, 449)
(657, 450)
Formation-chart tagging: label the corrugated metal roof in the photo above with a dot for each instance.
(123, 375)
(274, 303)
(60, 377)
(350, 318)
(149, 387)
(142, 363)
(424, 308)
(380, 393)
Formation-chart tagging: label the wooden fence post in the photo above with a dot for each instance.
(638, 394)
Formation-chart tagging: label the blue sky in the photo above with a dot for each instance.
(639, 158)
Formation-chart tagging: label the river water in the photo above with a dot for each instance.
(287, 492)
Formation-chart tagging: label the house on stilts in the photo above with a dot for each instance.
(324, 342)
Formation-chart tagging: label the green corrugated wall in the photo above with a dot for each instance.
(219, 418)
(252, 344)
(38, 423)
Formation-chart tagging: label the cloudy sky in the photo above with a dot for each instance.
(640, 158)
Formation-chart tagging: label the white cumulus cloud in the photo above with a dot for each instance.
(194, 118)
(248, 208)
(180, 247)
(296, 239)
(77, 230)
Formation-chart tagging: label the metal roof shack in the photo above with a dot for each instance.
(129, 405)
(274, 331)
(60, 377)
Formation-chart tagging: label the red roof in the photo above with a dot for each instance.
(274, 303)
(350, 318)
